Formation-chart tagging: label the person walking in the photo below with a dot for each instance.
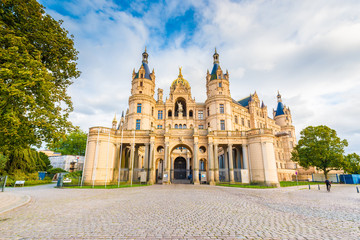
(328, 185)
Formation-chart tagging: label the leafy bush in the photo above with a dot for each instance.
(55, 170)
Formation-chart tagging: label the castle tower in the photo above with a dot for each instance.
(141, 102)
(114, 122)
(218, 103)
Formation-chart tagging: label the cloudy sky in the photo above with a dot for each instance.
(308, 50)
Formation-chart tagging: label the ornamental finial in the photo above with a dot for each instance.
(180, 75)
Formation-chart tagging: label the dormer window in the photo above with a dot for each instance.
(220, 83)
(141, 84)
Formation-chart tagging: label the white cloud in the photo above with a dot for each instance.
(309, 50)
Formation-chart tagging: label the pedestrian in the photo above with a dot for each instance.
(328, 185)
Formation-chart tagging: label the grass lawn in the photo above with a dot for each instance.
(108, 186)
(239, 185)
(291, 184)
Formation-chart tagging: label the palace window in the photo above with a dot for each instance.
(141, 84)
(176, 126)
(221, 108)
(201, 115)
(184, 126)
(208, 111)
(180, 126)
(152, 111)
(236, 119)
(191, 113)
(208, 124)
(139, 108)
(137, 124)
(169, 113)
(242, 121)
(159, 126)
(160, 114)
(220, 84)
(202, 165)
(201, 126)
(248, 123)
(222, 124)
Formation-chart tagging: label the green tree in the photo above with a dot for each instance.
(352, 163)
(3, 160)
(73, 143)
(320, 147)
(37, 65)
(27, 160)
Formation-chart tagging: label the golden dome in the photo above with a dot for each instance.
(180, 80)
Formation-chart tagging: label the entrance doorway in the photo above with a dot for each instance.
(180, 168)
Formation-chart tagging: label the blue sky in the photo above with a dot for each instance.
(309, 50)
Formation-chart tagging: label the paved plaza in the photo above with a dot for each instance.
(183, 212)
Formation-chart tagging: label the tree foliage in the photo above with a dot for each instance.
(319, 147)
(73, 143)
(3, 160)
(352, 163)
(37, 65)
(28, 161)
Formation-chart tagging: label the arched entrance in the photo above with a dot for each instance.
(180, 168)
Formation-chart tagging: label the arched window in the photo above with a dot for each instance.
(184, 126)
(169, 113)
(180, 126)
(190, 113)
(176, 126)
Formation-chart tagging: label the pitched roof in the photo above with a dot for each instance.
(245, 101)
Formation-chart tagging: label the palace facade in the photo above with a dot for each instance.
(178, 140)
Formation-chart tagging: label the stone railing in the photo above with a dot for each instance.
(258, 132)
(95, 130)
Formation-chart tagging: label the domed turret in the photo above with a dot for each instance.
(180, 81)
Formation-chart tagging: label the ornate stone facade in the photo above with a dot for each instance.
(180, 140)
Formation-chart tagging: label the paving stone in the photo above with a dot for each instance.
(184, 212)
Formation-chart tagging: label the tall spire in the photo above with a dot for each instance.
(279, 97)
(216, 57)
(114, 120)
(145, 56)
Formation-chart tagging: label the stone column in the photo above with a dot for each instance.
(245, 158)
(152, 164)
(211, 163)
(131, 162)
(231, 163)
(146, 161)
(225, 159)
(216, 160)
(196, 165)
(167, 162)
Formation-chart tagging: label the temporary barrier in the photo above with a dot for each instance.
(350, 178)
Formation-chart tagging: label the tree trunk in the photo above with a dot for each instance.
(326, 173)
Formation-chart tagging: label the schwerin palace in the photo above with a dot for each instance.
(180, 140)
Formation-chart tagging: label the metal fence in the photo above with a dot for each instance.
(224, 175)
(181, 176)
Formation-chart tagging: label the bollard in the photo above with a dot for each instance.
(357, 189)
(309, 186)
(318, 187)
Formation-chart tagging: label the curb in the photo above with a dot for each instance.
(17, 205)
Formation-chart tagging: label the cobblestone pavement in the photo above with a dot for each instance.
(184, 212)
